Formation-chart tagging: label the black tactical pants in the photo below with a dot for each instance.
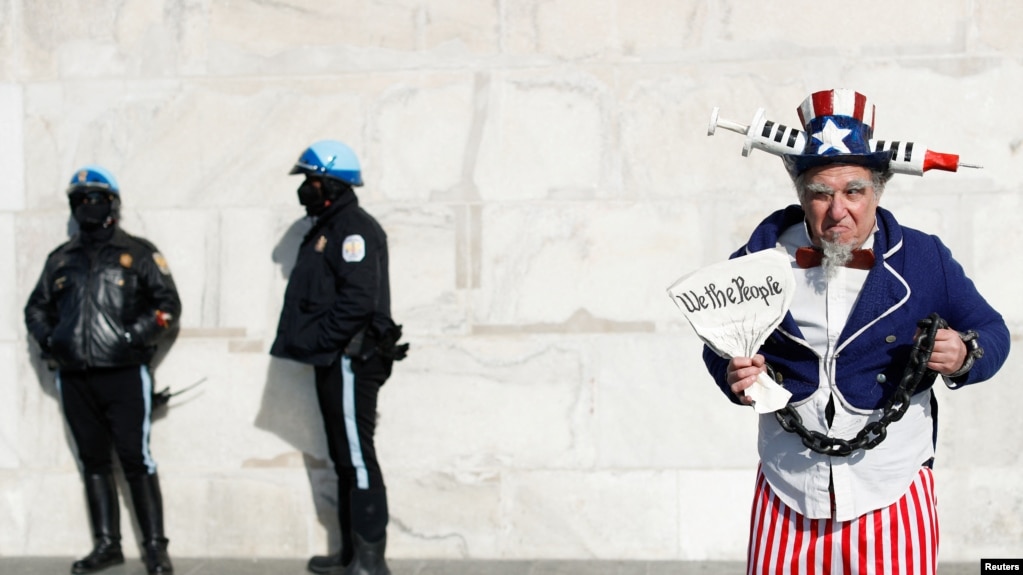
(109, 407)
(347, 391)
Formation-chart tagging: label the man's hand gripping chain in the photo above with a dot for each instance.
(874, 433)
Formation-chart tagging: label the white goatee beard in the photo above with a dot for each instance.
(835, 254)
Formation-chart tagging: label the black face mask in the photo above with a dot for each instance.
(312, 198)
(91, 210)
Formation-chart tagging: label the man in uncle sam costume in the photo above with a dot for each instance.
(879, 314)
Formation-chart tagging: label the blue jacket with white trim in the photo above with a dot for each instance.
(913, 276)
(338, 287)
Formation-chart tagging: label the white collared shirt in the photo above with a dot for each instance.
(867, 479)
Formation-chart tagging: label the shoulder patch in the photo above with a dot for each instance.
(354, 248)
(161, 263)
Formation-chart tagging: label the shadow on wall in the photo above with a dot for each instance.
(286, 251)
(289, 408)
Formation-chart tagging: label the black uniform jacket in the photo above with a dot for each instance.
(80, 311)
(338, 288)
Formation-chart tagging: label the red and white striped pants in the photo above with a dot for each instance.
(901, 539)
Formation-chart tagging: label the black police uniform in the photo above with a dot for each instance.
(102, 302)
(337, 318)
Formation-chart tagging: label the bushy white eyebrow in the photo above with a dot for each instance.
(817, 188)
(858, 185)
(852, 185)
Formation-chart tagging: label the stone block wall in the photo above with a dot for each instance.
(543, 170)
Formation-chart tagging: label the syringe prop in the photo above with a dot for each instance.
(781, 140)
(905, 161)
(736, 127)
(947, 162)
(777, 139)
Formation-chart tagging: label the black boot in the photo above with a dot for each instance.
(145, 494)
(105, 516)
(156, 557)
(369, 558)
(327, 564)
(369, 532)
(335, 564)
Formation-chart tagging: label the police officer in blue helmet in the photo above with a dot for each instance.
(336, 317)
(104, 300)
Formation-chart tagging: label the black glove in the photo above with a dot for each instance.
(44, 347)
(388, 345)
(370, 342)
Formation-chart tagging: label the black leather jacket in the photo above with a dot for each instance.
(338, 288)
(107, 312)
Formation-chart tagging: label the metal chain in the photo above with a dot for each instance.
(874, 432)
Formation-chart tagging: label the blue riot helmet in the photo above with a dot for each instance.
(330, 159)
(93, 176)
(331, 170)
(94, 197)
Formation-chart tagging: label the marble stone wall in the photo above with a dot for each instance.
(543, 170)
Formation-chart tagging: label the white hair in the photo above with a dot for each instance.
(835, 255)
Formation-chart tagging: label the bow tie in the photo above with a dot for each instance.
(810, 257)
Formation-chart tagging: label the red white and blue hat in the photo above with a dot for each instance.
(839, 125)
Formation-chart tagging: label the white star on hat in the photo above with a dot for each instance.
(832, 137)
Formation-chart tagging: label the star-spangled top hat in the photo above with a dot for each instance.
(839, 125)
